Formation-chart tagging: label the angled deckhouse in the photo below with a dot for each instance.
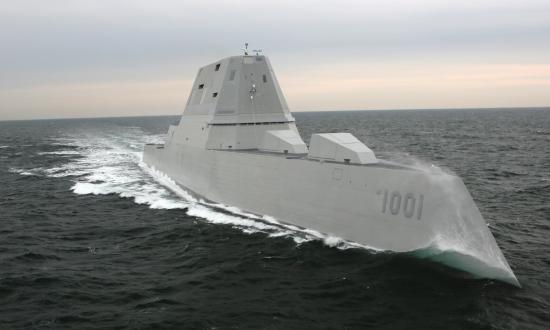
(236, 103)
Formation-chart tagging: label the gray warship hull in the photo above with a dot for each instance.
(382, 206)
(237, 144)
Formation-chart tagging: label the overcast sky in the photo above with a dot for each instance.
(72, 58)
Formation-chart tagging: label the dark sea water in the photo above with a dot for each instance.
(91, 238)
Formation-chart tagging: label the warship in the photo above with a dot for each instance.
(237, 144)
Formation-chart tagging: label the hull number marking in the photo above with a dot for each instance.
(409, 204)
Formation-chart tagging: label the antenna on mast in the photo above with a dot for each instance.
(245, 49)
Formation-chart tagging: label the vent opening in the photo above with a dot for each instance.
(217, 67)
(201, 86)
(232, 75)
(264, 78)
(214, 94)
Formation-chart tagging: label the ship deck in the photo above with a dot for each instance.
(381, 162)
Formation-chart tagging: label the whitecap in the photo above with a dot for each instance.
(23, 171)
(60, 152)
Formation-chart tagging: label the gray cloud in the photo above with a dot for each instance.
(48, 42)
(40, 40)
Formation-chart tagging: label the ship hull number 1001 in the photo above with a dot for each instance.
(396, 203)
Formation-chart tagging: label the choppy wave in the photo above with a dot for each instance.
(61, 152)
(22, 171)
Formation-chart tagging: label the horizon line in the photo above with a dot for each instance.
(297, 111)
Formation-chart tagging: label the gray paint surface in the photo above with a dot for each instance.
(379, 205)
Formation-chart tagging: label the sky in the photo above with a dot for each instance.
(97, 58)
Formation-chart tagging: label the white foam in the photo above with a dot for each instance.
(332, 241)
(20, 171)
(60, 152)
(166, 182)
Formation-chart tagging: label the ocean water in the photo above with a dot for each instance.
(90, 237)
